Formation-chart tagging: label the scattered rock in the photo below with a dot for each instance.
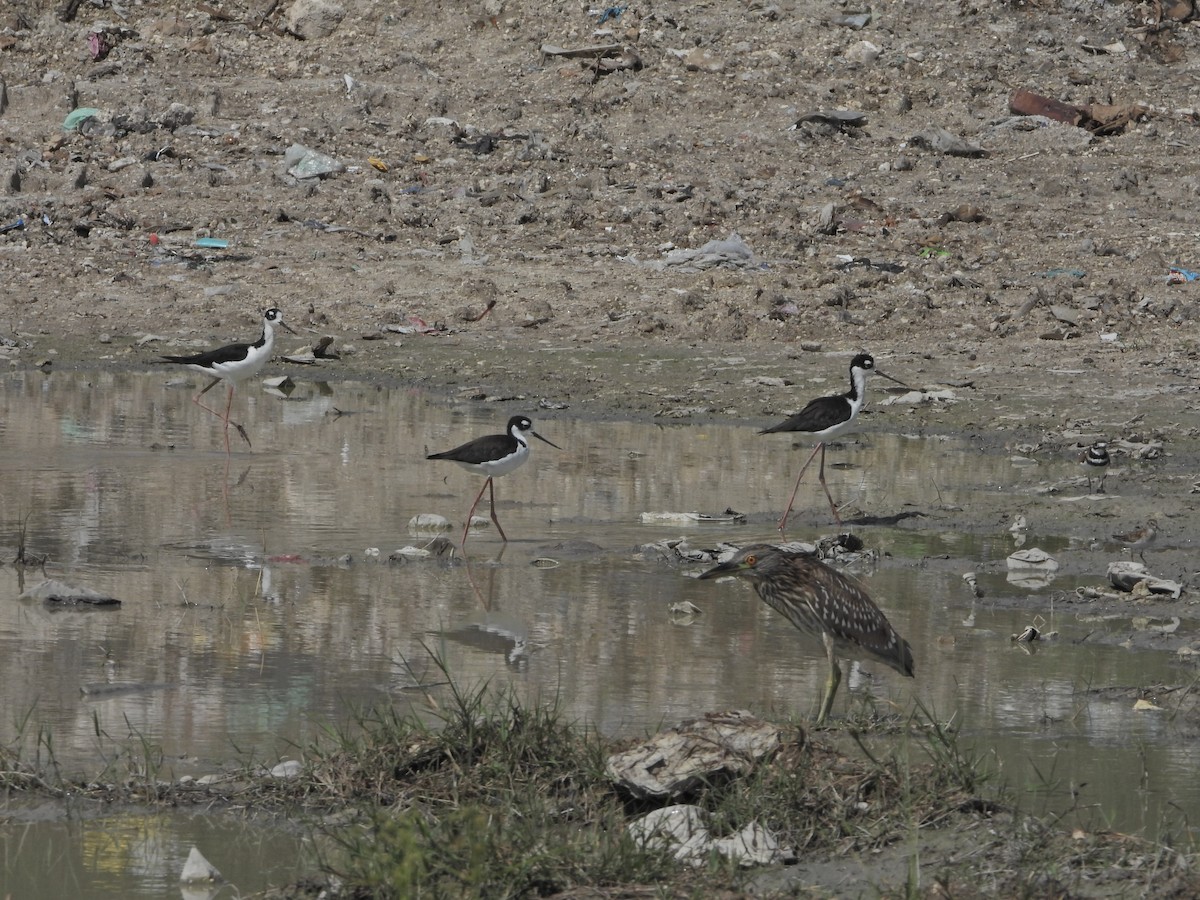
(312, 19)
(425, 523)
(942, 141)
(289, 768)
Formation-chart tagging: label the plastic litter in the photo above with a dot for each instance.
(304, 163)
(1098, 118)
(1031, 568)
(99, 45)
(1134, 577)
(730, 253)
(694, 753)
(77, 117)
(197, 869)
(1033, 558)
(683, 830)
(680, 518)
(917, 397)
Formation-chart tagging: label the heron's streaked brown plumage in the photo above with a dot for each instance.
(821, 601)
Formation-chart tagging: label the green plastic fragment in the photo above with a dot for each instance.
(77, 117)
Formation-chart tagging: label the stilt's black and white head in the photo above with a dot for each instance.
(864, 361)
(521, 426)
(274, 316)
(863, 365)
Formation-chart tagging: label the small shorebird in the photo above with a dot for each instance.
(494, 455)
(821, 601)
(1140, 539)
(233, 364)
(1096, 458)
(826, 418)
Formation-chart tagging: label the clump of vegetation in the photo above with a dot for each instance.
(497, 799)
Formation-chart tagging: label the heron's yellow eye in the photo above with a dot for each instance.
(751, 559)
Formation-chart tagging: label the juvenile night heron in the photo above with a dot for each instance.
(821, 601)
(826, 418)
(233, 364)
(494, 455)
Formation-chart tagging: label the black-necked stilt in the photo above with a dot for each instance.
(826, 418)
(1140, 539)
(1096, 457)
(494, 455)
(821, 601)
(233, 364)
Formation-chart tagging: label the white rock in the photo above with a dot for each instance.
(289, 768)
(863, 52)
(410, 552)
(426, 522)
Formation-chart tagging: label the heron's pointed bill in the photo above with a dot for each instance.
(729, 567)
(545, 440)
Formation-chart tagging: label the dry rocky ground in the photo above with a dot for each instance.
(535, 181)
(475, 162)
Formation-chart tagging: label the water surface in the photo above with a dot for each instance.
(256, 614)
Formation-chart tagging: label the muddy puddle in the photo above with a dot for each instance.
(260, 606)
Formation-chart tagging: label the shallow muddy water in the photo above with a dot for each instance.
(255, 614)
